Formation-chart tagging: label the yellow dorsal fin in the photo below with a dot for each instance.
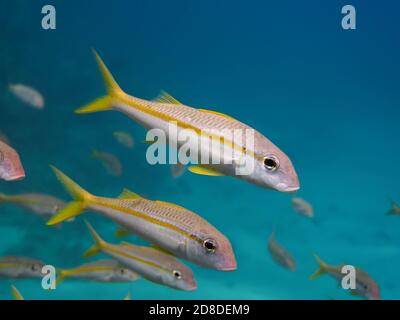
(205, 171)
(169, 204)
(165, 97)
(217, 113)
(127, 194)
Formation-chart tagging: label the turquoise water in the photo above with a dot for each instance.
(329, 98)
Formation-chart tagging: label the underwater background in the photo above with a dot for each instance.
(328, 97)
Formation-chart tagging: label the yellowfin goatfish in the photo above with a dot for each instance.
(280, 254)
(166, 225)
(102, 271)
(110, 162)
(303, 207)
(151, 263)
(20, 267)
(43, 205)
(10, 164)
(366, 287)
(27, 95)
(16, 294)
(124, 138)
(271, 167)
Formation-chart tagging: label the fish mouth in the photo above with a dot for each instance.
(283, 187)
(191, 286)
(16, 177)
(230, 266)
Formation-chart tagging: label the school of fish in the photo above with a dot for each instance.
(172, 231)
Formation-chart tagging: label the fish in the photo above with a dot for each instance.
(110, 162)
(177, 170)
(11, 168)
(151, 263)
(43, 205)
(27, 95)
(124, 138)
(394, 210)
(366, 287)
(280, 254)
(16, 294)
(166, 225)
(272, 168)
(101, 270)
(20, 268)
(303, 207)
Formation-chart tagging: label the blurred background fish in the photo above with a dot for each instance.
(20, 267)
(43, 205)
(177, 170)
(109, 161)
(10, 164)
(124, 138)
(101, 270)
(303, 207)
(28, 95)
(279, 254)
(366, 287)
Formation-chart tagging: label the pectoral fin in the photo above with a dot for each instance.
(205, 171)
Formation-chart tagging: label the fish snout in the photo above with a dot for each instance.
(191, 285)
(289, 185)
(227, 264)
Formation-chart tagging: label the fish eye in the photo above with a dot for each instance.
(122, 271)
(271, 163)
(210, 245)
(34, 267)
(177, 274)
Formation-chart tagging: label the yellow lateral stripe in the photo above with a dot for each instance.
(86, 269)
(149, 219)
(134, 104)
(8, 265)
(130, 256)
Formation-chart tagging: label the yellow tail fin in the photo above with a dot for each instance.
(74, 208)
(61, 276)
(16, 294)
(98, 242)
(321, 270)
(113, 91)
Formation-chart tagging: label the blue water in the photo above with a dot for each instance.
(329, 98)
